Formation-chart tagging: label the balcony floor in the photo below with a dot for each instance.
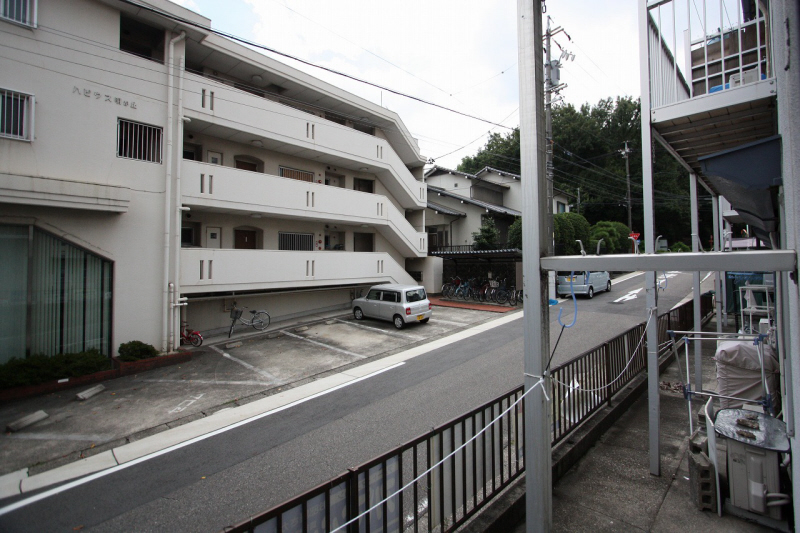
(610, 489)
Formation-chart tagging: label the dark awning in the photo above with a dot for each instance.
(748, 177)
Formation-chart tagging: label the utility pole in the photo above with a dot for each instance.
(626, 154)
(579, 200)
(552, 84)
(548, 133)
(537, 240)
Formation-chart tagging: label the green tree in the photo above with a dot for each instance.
(614, 235)
(486, 237)
(515, 234)
(501, 152)
(586, 154)
(568, 228)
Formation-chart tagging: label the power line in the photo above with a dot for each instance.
(305, 62)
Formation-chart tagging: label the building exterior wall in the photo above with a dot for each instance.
(70, 182)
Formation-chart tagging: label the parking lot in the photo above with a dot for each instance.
(223, 373)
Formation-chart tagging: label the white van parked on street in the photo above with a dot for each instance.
(585, 283)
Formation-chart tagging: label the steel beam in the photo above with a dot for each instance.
(653, 392)
(757, 260)
(698, 323)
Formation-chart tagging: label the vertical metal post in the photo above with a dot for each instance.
(653, 397)
(698, 323)
(717, 275)
(538, 474)
(785, 24)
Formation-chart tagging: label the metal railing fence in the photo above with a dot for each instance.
(426, 485)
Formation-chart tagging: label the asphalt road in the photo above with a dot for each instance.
(223, 479)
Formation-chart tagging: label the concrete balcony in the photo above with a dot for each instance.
(216, 270)
(222, 111)
(213, 187)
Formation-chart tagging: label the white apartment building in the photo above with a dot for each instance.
(153, 172)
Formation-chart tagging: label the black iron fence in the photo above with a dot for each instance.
(440, 479)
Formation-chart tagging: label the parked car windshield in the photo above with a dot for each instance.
(415, 296)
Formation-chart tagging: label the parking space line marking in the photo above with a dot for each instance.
(370, 328)
(264, 373)
(206, 381)
(440, 321)
(334, 348)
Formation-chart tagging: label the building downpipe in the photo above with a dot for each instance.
(166, 304)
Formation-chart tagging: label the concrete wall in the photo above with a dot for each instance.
(454, 183)
(431, 269)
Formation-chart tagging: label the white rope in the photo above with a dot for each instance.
(448, 456)
(641, 340)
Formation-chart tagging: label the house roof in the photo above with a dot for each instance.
(497, 171)
(477, 176)
(499, 209)
(444, 210)
(436, 168)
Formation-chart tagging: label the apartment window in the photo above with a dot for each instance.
(193, 152)
(293, 173)
(139, 141)
(16, 115)
(19, 11)
(56, 297)
(363, 185)
(561, 207)
(141, 39)
(364, 128)
(295, 241)
(333, 117)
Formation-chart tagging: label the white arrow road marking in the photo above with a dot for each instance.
(630, 296)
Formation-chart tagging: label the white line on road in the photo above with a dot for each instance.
(322, 344)
(63, 488)
(707, 276)
(370, 328)
(223, 416)
(264, 373)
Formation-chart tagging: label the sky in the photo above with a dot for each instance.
(460, 54)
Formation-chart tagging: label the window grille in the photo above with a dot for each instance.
(139, 141)
(295, 241)
(19, 11)
(293, 173)
(16, 115)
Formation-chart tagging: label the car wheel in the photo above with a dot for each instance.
(399, 323)
(590, 294)
(425, 320)
(358, 313)
(608, 286)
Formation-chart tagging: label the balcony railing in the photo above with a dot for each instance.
(220, 270)
(212, 101)
(253, 192)
(699, 47)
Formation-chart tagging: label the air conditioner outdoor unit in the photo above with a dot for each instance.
(743, 78)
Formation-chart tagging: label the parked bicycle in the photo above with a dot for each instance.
(448, 289)
(258, 319)
(192, 337)
(463, 291)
